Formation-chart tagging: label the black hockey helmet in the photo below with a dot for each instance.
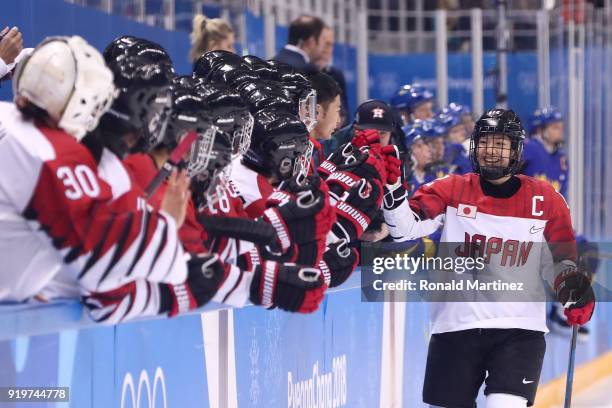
(127, 45)
(261, 67)
(278, 144)
(189, 113)
(497, 122)
(233, 77)
(230, 113)
(187, 81)
(303, 94)
(267, 95)
(215, 61)
(141, 107)
(281, 68)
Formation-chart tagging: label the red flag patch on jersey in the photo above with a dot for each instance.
(468, 211)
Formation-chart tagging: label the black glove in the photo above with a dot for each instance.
(367, 164)
(302, 219)
(343, 155)
(204, 277)
(339, 262)
(394, 195)
(289, 287)
(575, 293)
(355, 210)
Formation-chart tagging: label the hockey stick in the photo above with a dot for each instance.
(570, 369)
(171, 163)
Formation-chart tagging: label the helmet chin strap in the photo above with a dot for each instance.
(492, 172)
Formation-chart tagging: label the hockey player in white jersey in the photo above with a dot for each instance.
(492, 209)
(230, 283)
(58, 212)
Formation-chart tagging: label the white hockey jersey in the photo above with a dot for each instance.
(56, 212)
(512, 234)
(253, 188)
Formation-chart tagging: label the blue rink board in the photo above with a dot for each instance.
(277, 356)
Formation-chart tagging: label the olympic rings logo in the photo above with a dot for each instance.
(144, 386)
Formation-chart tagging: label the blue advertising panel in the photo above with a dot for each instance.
(388, 72)
(330, 358)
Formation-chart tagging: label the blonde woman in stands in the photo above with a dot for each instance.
(210, 34)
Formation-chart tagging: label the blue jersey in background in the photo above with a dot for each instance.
(543, 165)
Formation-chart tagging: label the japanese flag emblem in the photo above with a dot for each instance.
(378, 113)
(465, 210)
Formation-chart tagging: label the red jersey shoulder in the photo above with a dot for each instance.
(67, 149)
(72, 171)
(431, 199)
(451, 184)
(141, 167)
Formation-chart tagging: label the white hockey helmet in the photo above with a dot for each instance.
(67, 78)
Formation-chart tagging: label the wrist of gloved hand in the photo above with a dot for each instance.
(338, 263)
(204, 277)
(289, 287)
(575, 293)
(394, 195)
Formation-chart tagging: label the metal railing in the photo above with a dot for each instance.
(574, 50)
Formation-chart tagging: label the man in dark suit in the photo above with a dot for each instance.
(304, 45)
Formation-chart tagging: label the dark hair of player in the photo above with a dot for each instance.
(327, 88)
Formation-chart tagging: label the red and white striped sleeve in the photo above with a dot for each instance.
(107, 244)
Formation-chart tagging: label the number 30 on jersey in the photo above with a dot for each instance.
(78, 181)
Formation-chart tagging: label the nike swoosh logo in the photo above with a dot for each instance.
(526, 382)
(535, 230)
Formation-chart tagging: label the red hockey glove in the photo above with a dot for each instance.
(339, 262)
(391, 158)
(289, 287)
(364, 164)
(366, 138)
(575, 293)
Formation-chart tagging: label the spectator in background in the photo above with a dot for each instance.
(372, 114)
(413, 101)
(11, 51)
(324, 63)
(328, 112)
(306, 43)
(210, 34)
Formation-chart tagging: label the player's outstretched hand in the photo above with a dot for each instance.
(356, 209)
(339, 262)
(367, 164)
(302, 217)
(391, 158)
(575, 293)
(204, 277)
(369, 138)
(343, 155)
(292, 288)
(176, 196)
